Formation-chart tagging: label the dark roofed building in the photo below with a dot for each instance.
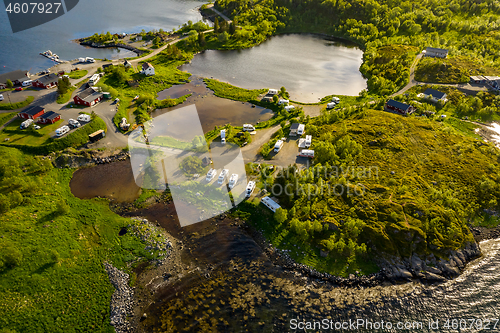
(49, 118)
(88, 97)
(436, 52)
(398, 107)
(434, 95)
(31, 113)
(17, 77)
(47, 81)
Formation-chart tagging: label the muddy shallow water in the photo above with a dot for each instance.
(212, 110)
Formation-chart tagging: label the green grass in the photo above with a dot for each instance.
(167, 141)
(14, 106)
(61, 99)
(30, 137)
(78, 74)
(5, 117)
(226, 90)
(60, 283)
(450, 70)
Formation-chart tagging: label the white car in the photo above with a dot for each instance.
(222, 176)
(37, 127)
(1, 97)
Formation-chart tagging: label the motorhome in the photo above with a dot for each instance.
(81, 60)
(289, 108)
(211, 174)
(26, 123)
(84, 117)
(336, 100)
(272, 91)
(74, 123)
(248, 128)
(301, 130)
(222, 176)
(278, 146)
(308, 141)
(62, 130)
(270, 203)
(233, 180)
(94, 79)
(331, 105)
(307, 153)
(283, 101)
(223, 136)
(249, 189)
(89, 59)
(27, 83)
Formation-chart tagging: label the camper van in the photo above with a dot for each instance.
(289, 108)
(272, 91)
(283, 101)
(270, 203)
(248, 128)
(331, 105)
(233, 180)
(301, 130)
(307, 153)
(336, 100)
(278, 146)
(211, 174)
(222, 176)
(94, 79)
(249, 189)
(27, 83)
(62, 130)
(83, 117)
(26, 123)
(89, 59)
(81, 60)
(74, 123)
(308, 141)
(223, 136)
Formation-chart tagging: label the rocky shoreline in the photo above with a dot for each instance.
(87, 158)
(122, 300)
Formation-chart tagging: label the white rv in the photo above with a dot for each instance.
(62, 130)
(336, 100)
(73, 123)
(83, 117)
(248, 128)
(26, 123)
(307, 153)
(331, 105)
(308, 141)
(272, 91)
(301, 130)
(249, 189)
(222, 176)
(211, 174)
(94, 79)
(283, 101)
(223, 136)
(81, 60)
(278, 146)
(233, 180)
(270, 203)
(27, 83)
(89, 59)
(289, 108)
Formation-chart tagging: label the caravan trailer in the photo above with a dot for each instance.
(283, 101)
(270, 203)
(307, 153)
(278, 146)
(62, 130)
(331, 105)
(301, 130)
(248, 128)
(94, 79)
(26, 123)
(289, 108)
(223, 136)
(249, 189)
(308, 141)
(233, 180)
(222, 176)
(211, 174)
(272, 91)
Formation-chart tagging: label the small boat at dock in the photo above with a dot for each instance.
(51, 56)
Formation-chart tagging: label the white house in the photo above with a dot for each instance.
(148, 69)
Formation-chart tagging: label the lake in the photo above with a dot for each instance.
(21, 50)
(308, 66)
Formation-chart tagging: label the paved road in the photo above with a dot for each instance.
(412, 81)
(211, 6)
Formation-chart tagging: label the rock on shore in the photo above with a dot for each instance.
(122, 300)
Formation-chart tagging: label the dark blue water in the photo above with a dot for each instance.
(21, 50)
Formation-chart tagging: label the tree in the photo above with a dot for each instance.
(10, 257)
(223, 37)
(9, 84)
(62, 208)
(201, 39)
(216, 25)
(232, 28)
(280, 215)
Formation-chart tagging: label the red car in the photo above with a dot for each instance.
(19, 89)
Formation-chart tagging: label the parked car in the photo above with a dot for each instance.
(19, 89)
(1, 97)
(37, 127)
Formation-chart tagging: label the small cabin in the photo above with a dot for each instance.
(434, 95)
(435, 52)
(398, 107)
(49, 118)
(88, 97)
(148, 69)
(31, 113)
(47, 81)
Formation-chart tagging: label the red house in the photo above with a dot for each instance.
(47, 81)
(88, 97)
(398, 107)
(31, 113)
(49, 118)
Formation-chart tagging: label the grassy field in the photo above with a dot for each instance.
(27, 136)
(226, 90)
(450, 70)
(61, 99)
(14, 106)
(53, 246)
(5, 117)
(78, 74)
